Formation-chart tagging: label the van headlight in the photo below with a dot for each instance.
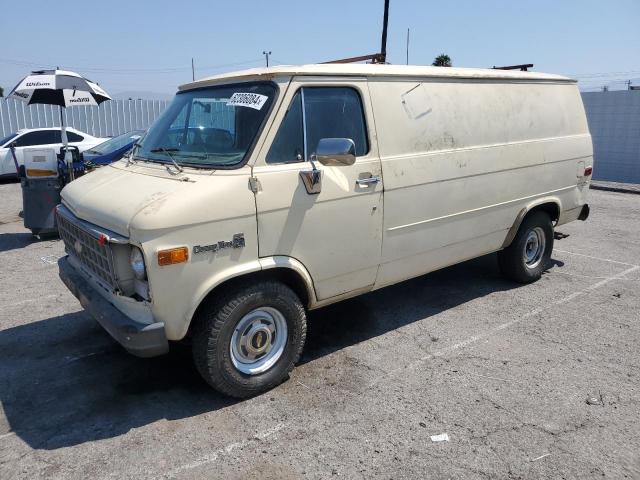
(136, 260)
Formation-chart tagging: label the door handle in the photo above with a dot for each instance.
(372, 180)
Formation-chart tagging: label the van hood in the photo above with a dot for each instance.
(110, 197)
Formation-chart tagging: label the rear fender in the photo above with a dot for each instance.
(545, 203)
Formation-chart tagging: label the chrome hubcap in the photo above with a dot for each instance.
(534, 247)
(258, 340)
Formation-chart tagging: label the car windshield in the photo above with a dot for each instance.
(7, 139)
(209, 127)
(117, 143)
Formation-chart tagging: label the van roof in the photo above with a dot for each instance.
(372, 70)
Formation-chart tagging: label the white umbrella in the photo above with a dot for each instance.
(59, 87)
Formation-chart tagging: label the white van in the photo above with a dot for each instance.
(261, 194)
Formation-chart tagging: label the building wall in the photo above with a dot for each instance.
(111, 118)
(614, 122)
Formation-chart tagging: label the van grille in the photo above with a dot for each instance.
(88, 250)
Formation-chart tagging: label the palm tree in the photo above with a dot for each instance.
(442, 60)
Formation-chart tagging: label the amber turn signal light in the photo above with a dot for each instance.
(173, 255)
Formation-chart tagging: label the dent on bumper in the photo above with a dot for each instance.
(140, 339)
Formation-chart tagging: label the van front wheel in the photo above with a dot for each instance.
(249, 341)
(528, 255)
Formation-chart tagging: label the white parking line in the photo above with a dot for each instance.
(228, 449)
(481, 336)
(593, 277)
(596, 258)
(530, 314)
(29, 300)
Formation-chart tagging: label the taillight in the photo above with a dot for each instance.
(588, 171)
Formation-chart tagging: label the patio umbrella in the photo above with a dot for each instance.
(59, 87)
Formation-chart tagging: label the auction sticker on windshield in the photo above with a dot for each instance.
(251, 100)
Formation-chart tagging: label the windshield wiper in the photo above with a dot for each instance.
(168, 152)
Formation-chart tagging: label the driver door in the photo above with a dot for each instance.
(335, 233)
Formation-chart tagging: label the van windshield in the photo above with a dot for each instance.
(212, 127)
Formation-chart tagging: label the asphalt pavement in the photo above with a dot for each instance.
(536, 381)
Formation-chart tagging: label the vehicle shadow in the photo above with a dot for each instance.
(9, 179)
(359, 319)
(14, 241)
(64, 382)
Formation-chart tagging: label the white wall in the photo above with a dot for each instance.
(614, 122)
(111, 118)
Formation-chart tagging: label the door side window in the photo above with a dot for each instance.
(39, 137)
(55, 136)
(320, 112)
(288, 146)
(73, 137)
(332, 112)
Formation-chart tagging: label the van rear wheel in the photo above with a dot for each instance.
(528, 255)
(248, 341)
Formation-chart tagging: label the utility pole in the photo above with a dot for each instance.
(266, 55)
(407, 46)
(193, 70)
(385, 21)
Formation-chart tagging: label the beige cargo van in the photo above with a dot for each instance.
(262, 194)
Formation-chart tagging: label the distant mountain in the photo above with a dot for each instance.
(140, 94)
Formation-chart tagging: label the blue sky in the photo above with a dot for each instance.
(133, 46)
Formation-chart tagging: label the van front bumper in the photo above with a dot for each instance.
(139, 339)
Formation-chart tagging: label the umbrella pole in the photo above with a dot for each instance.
(65, 143)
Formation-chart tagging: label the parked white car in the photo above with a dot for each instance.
(40, 137)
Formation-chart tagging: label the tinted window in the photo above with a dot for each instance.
(334, 113)
(288, 146)
(330, 112)
(39, 137)
(74, 137)
(7, 139)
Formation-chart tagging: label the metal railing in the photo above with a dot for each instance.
(111, 118)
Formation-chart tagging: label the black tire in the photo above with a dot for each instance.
(511, 260)
(214, 328)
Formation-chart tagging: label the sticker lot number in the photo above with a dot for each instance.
(251, 100)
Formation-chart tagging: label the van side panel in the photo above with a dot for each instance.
(461, 158)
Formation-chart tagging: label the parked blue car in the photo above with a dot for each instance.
(113, 149)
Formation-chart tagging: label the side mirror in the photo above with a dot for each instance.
(336, 152)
